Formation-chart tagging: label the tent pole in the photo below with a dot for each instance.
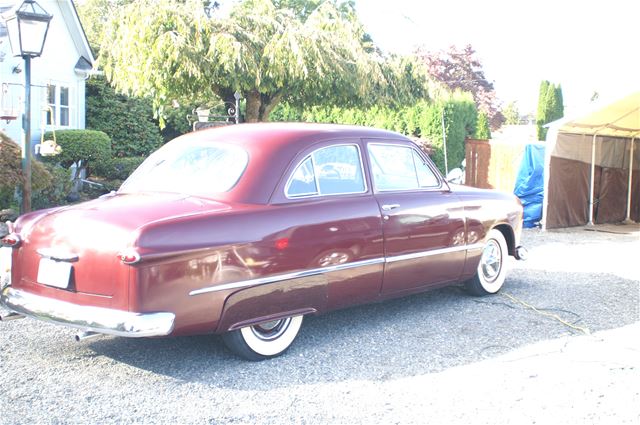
(593, 177)
(628, 219)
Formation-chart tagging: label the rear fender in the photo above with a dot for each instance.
(274, 301)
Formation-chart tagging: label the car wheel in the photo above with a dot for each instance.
(264, 340)
(492, 267)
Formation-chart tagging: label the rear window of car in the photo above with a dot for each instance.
(197, 168)
(333, 170)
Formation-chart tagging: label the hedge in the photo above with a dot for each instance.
(423, 119)
(89, 146)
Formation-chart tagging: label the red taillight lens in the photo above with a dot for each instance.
(282, 244)
(129, 256)
(12, 240)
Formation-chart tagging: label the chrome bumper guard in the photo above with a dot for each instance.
(94, 319)
(522, 253)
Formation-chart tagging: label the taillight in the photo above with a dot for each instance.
(12, 240)
(282, 244)
(129, 256)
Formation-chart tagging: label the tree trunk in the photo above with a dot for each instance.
(260, 106)
(254, 100)
(268, 104)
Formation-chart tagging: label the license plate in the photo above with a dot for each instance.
(54, 273)
(5, 266)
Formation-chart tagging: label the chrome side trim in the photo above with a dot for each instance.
(321, 270)
(287, 276)
(87, 318)
(432, 252)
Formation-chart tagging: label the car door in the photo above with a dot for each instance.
(332, 221)
(423, 221)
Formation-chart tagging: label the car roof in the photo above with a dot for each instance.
(272, 147)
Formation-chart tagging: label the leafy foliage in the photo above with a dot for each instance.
(303, 51)
(511, 114)
(11, 172)
(55, 192)
(176, 123)
(423, 119)
(89, 146)
(460, 69)
(483, 132)
(550, 106)
(94, 15)
(117, 168)
(127, 120)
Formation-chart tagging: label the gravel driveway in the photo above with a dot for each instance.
(561, 344)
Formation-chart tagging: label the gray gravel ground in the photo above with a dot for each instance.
(439, 357)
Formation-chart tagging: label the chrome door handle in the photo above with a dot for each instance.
(389, 207)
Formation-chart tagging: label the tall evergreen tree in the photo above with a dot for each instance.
(542, 111)
(550, 106)
(559, 102)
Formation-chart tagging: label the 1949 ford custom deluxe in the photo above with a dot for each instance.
(243, 230)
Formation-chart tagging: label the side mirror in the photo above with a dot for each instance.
(455, 176)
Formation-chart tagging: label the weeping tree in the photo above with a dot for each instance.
(304, 51)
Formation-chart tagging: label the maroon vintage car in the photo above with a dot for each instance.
(245, 229)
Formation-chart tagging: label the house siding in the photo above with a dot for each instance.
(55, 66)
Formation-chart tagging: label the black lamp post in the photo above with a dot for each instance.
(27, 26)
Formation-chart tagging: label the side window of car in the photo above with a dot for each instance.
(396, 167)
(333, 170)
(393, 167)
(303, 180)
(426, 176)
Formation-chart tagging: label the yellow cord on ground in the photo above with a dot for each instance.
(586, 331)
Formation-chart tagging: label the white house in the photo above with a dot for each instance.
(57, 77)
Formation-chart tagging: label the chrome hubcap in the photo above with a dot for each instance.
(333, 259)
(491, 261)
(271, 330)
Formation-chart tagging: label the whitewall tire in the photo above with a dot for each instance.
(492, 269)
(264, 340)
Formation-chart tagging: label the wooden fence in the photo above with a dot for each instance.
(492, 164)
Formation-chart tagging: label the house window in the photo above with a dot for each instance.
(58, 102)
(51, 103)
(64, 106)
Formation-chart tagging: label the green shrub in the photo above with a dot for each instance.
(423, 119)
(176, 122)
(127, 120)
(117, 168)
(285, 113)
(55, 192)
(111, 185)
(89, 146)
(11, 172)
(483, 132)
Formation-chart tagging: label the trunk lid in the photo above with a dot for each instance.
(91, 234)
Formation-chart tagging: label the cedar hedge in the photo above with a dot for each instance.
(424, 120)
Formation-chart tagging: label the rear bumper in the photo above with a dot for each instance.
(94, 319)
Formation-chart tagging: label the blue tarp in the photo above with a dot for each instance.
(530, 183)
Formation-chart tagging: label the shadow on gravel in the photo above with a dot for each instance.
(406, 337)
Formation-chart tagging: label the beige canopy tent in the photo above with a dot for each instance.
(592, 166)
